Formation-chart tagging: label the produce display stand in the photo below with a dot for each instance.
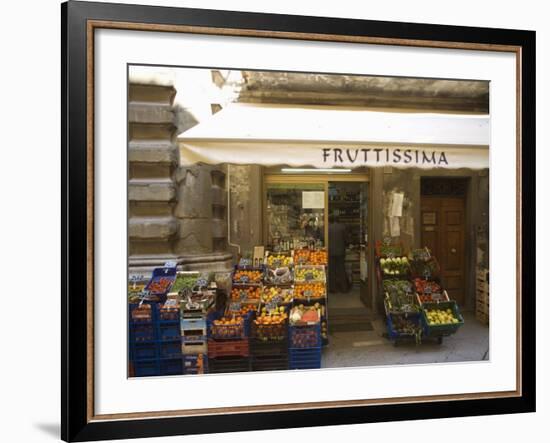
(422, 272)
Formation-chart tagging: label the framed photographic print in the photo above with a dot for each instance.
(276, 221)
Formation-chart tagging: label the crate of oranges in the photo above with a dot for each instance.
(270, 325)
(248, 276)
(246, 293)
(301, 256)
(309, 290)
(228, 326)
(318, 257)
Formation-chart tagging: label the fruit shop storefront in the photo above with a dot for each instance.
(332, 214)
(411, 179)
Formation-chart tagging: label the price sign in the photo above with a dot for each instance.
(427, 273)
(244, 279)
(201, 282)
(308, 293)
(428, 290)
(386, 241)
(308, 276)
(171, 264)
(277, 299)
(243, 295)
(143, 295)
(235, 306)
(134, 279)
(245, 262)
(271, 306)
(437, 296)
(277, 262)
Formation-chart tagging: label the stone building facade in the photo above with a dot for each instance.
(204, 216)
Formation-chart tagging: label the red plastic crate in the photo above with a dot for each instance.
(227, 348)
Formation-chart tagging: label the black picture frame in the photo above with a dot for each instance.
(76, 424)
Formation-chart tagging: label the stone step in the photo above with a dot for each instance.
(145, 228)
(151, 190)
(152, 151)
(141, 112)
(158, 94)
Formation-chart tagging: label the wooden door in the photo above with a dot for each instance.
(443, 231)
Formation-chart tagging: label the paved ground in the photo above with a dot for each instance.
(371, 348)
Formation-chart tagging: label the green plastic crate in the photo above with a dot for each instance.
(444, 329)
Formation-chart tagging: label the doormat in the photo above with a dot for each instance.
(350, 327)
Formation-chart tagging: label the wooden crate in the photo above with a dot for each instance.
(482, 317)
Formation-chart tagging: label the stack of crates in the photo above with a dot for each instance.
(268, 355)
(170, 339)
(143, 339)
(228, 347)
(305, 346)
(193, 342)
(195, 364)
(482, 296)
(269, 346)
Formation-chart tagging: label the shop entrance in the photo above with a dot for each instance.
(328, 211)
(443, 221)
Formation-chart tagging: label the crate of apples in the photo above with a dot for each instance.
(284, 295)
(279, 261)
(441, 317)
(309, 274)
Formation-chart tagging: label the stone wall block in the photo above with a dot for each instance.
(151, 191)
(152, 227)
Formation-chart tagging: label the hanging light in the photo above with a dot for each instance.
(313, 170)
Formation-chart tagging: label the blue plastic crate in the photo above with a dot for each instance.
(393, 334)
(146, 368)
(145, 351)
(173, 366)
(142, 333)
(169, 331)
(154, 313)
(304, 358)
(305, 336)
(170, 349)
(158, 273)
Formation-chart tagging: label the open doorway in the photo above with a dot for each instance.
(347, 244)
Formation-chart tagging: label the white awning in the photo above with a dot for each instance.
(324, 137)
